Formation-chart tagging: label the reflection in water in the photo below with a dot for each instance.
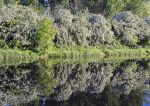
(107, 98)
(69, 84)
(17, 84)
(23, 83)
(146, 98)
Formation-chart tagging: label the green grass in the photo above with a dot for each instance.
(15, 57)
(90, 59)
(96, 52)
(143, 52)
(75, 52)
(11, 54)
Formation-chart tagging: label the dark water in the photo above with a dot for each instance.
(59, 83)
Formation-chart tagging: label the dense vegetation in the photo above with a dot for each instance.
(77, 30)
(107, 7)
(24, 29)
(59, 26)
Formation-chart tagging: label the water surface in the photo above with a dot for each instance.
(66, 83)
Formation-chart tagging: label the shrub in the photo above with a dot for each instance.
(144, 11)
(64, 2)
(17, 27)
(130, 28)
(133, 5)
(115, 6)
(129, 38)
(45, 35)
(82, 29)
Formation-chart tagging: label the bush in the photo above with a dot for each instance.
(144, 11)
(45, 35)
(131, 29)
(82, 30)
(129, 38)
(22, 28)
(18, 25)
(133, 5)
(63, 2)
(115, 6)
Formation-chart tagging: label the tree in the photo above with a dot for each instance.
(115, 6)
(45, 35)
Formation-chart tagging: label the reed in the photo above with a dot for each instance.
(96, 52)
(19, 55)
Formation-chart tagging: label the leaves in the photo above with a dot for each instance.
(45, 34)
(115, 6)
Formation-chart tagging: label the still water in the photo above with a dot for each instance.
(67, 83)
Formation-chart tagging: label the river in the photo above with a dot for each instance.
(76, 83)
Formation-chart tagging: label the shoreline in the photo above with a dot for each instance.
(73, 53)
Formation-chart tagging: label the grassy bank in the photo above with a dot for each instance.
(17, 55)
(94, 52)
(143, 52)
(74, 54)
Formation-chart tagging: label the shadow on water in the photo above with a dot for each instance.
(75, 83)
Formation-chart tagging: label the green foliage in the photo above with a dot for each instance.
(133, 5)
(92, 2)
(18, 25)
(63, 2)
(115, 6)
(129, 40)
(17, 55)
(1, 4)
(127, 53)
(31, 35)
(12, 1)
(12, 38)
(144, 11)
(22, 2)
(45, 35)
(75, 52)
(46, 78)
(29, 2)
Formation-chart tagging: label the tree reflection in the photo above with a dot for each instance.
(25, 82)
(47, 83)
(107, 98)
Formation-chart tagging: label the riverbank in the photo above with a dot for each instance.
(74, 54)
(17, 55)
(71, 36)
(97, 52)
